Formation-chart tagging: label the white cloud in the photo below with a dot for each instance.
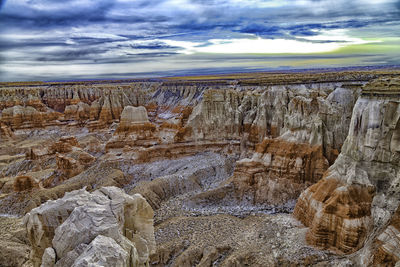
(187, 47)
(325, 41)
(339, 36)
(265, 46)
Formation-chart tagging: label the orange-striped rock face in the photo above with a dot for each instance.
(68, 166)
(338, 215)
(279, 171)
(64, 145)
(5, 131)
(24, 183)
(388, 243)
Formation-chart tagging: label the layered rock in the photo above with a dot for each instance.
(73, 230)
(97, 104)
(132, 116)
(111, 95)
(220, 115)
(302, 139)
(153, 137)
(278, 172)
(339, 215)
(320, 118)
(258, 111)
(64, 145)
(23, 96)
(317, 114)
(78, 112)
(160, 181)
(24, 183)
(134, 129)
(74, 163)
(358, 192)
(388, 243)
(5, 132)
(18, 117)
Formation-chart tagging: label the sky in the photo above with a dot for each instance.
(113, 39)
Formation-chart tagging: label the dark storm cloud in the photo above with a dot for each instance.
(153, 45)
(310, 29)
(75, 19)
(205, 15)
(59, 12)
(161, 54)
(71, 55)
(10, 44)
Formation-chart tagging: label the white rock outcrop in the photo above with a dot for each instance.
(132, 114)
(105, 228)
(103, 251)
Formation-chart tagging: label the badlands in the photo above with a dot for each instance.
(260, 169)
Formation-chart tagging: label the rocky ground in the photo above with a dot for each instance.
(14, 244)
(226, 240)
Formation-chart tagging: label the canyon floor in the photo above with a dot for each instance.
(262, 169)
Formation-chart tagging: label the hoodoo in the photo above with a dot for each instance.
(358, 195)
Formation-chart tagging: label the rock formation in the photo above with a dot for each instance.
(5, 132)
(318, 115)
(24, 183)
(18, 117)
(73, 164)
(358, 192)
(278, 172)
(134, 129)
(132, 115)
(64, 145)
(103, 228)
(78, 112)
(388, 243)
(221, 160)
(14, 244)
(303, 134)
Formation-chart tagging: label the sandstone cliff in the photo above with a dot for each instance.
(259, 111)
(318, 114)
(360, 190)
(303, 129)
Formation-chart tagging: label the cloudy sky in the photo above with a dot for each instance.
(94, 39)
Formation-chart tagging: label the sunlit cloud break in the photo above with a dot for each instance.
(326, 41)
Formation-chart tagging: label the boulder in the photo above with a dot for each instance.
(104, 251)
(68, 224)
